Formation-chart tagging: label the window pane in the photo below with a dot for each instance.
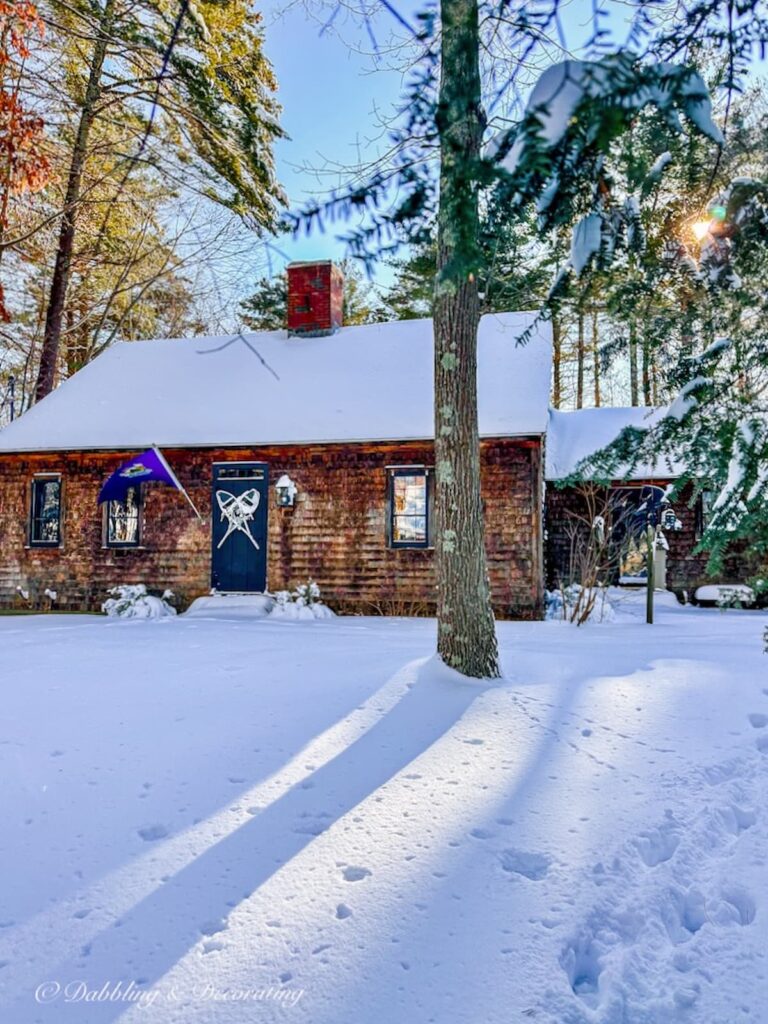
(410, 495)
(409, 529)
(46, 511)
(240, 473)
(123, 519)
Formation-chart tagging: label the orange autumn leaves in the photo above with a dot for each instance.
(24, 166)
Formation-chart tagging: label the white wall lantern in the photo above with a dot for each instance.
(286, 491)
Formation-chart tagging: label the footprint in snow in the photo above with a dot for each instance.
(152, 832)
(353, 874)
(758, 720)
(481, 833)
(533, 866)
(310, 828)
(684, 914)
(685, 998)
(657, 845)
(343, 912)
(688, 911)
(581, 962)
(737, 906)
(737, 819)
(213, 927)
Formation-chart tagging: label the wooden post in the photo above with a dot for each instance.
(650, 538)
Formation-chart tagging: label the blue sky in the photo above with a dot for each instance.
(331, 96)
(334, 96)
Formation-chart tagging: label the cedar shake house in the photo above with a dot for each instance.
(307, 452)
(574, 436)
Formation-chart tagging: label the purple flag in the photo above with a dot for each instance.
(150, 465)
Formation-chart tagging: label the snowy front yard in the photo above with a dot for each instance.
(231, 821)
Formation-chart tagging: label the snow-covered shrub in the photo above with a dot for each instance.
(735, 597)
(131, 601)
(574, 603)
(302, 603)
(308, 593)
(759, 585)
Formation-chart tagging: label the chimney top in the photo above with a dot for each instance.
(315, 298)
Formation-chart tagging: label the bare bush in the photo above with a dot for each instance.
(595, 553)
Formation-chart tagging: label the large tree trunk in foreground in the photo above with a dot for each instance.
(466, 631)
(49, 353)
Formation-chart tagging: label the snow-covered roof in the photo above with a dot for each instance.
(572, 436)
(367, 383)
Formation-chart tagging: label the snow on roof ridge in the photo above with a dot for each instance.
(369, 382)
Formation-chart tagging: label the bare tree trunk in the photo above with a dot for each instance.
(634, 397)
(596, 355)
(466, 637)
(647, 397)
(49, 353)
(557, 363)
(580, 361)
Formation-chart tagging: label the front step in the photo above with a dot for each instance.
(231, 606)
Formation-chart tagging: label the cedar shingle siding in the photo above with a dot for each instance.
(336, 532)
(685, 570)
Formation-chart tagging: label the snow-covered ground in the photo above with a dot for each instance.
(230, 821)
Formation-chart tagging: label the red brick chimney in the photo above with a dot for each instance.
(315, 298)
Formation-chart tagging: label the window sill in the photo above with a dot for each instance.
(411, 547)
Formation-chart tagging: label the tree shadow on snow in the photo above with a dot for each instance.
(145, 943)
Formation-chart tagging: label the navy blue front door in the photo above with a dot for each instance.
(239, 526)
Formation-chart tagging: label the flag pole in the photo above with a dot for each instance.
(176, 480)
